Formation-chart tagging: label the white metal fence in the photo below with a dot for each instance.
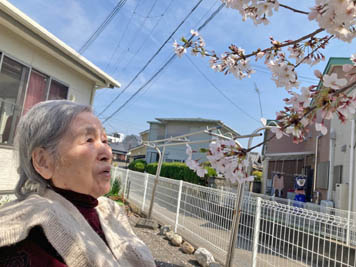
(270, 233)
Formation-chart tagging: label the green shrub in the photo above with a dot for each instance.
(138, 165)
(115, 188)
(180, 171)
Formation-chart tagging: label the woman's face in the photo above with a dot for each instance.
(84, 158)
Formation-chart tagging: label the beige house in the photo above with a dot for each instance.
(139, 152)
(36, 66)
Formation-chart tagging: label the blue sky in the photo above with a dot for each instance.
(180, 90)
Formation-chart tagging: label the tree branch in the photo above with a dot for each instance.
(288, 43)
(294, 10)
(317, 48)
(338, 92)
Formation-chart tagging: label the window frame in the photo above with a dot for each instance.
(25, 89)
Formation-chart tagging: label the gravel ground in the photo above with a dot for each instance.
(165, 255)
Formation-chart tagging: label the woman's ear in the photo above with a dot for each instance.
(43, 162)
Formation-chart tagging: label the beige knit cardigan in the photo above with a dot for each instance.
(71, 235)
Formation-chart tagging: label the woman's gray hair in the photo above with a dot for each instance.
(44, 125)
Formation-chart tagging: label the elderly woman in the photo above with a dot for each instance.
(60, 217)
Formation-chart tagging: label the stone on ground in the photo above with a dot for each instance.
(187, 248)
(215, 264)
(170, 235)
(147, 223)
(176, 240)
(204, 257)
(164, 229)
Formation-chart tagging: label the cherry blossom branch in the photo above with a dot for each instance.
(276, 46)
(338, 92)
(314, 50)
(293, 9)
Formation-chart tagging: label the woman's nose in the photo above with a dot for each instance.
(105, 153)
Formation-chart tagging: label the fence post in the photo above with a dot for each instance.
(126, 180)
(144, 192)
(256, 232)
(178, 204)
(113, 175)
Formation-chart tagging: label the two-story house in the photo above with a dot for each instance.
(170, 127)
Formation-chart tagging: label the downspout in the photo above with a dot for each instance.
(331, 163)
(92, 95)
(351, 177)
(316, 194)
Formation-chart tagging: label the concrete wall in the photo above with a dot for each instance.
(80, 88)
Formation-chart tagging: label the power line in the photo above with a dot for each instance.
(168, 62)
(140, 27)
(140, 89)
(146, 88)
(151, 59)
(220, 91)
(150, 33)
(102, 26)
(121, 37)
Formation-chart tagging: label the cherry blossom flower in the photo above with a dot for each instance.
(353, 59)
(179, 49)
(333, 82)
(320, 127)
(194, 32)
(277, 131)
(336, 17)
(283, 74)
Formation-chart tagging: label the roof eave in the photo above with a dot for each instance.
(102, 79)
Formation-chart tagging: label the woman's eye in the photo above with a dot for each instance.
(105, 141)
(90, 140)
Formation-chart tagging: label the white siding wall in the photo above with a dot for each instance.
(343, 137)
(8, 174)
(80, 88)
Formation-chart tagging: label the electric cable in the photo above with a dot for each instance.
(221, 92)
(102, 26)
(139, 28)
(122, 37)
(133, 56)
(151, 59)
(166, 64)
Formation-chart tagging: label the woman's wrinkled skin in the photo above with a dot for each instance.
(83, 159)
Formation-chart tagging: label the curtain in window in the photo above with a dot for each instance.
(36, 91)
(57, 91)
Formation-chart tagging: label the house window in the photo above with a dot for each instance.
(13, 79)
(36, 90)
(57, 91)
(20, 89)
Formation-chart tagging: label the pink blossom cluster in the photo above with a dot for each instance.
(194, 164)
(227, 158)
(258, 11)
(197, 46)
(231, 63)
(317, 104)
(336, 17)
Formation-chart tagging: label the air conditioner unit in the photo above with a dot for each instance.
(341, 196)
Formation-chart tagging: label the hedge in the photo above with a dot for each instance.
(138, 165)
(180, 171)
